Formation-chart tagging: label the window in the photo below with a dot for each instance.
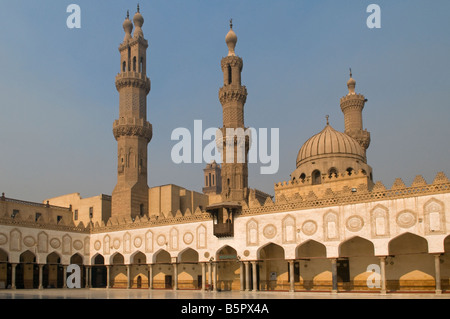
(141, 64)
(58, 219)
(141, 210)
(213, 180)
(302, 177)
(91, 212)
(36, 217)
(14, 213)
(229, 74)
(210, 179)
(124, 66)
(75, 214)
(134, 64)
(316, 178)
(349, 171)
(332, 173)
(206, 181)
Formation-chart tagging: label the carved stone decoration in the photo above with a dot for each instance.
(354, 223)
(434, 217)
(106, 245)
(149, 242)
(126, 243)
(137, 242)
(379, 222)
(55, 243)
(116, 243)
(252, 233)
(161, 240)
(201, 237)
(3, 239)
(174, 239)
(331, 226)
(78, 244)
(309, 227)
(288, 227)
(15, 243)
(246, 253)
(270, 231)
(29, 241)
(406, 219)
(67, 245)
(42, 239)
(87, 245)
(188, 238)
(97, 245)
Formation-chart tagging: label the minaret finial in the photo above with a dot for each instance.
(128, 14)
(351, 75)
(231, 23)
(138, 7)
(327, 117)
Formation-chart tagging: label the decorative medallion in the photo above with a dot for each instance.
(206, 255)
(3, 239)
(77, 244)
(55, 243)
(116, 243)
(246, 253)
(406, 219)
(188, 238)
(355, 223)
(29, 241)
(270, 231)
(309, 227)
(97, 245)
(137, 242)
(161, 240)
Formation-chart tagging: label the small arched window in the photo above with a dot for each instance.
(229, 74)
(332, 172)
(141, 65)
(316, 178)
(141, 210)
(134, 64)
(302, 177)
(349, 171)
(124, 66)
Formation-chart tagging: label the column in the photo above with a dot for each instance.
(203, 276)
(65, 276)
(291, 276)
(210, 275)
(241, 276)
(40, 275)
(88, 275)
(13, 276)
(150, 276)
(128, 277)
(108, 276)
(247, 276)
(334, 290)
(255, 277)
(175, 276)
(437, 267)
(383, 274)
(215, 276)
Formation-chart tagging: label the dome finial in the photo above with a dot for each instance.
(350, 72)
(327, 117)
(231, 23)
(138, 7)
(128, 14)
(351, 84)
(231, 40)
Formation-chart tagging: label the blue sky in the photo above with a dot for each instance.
(58, 99)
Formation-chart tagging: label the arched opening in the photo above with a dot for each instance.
(27, 271)
(118, 271)
(77, 259)
(229, 74)
(349, 171)
(53, 272)
(355, 256)
(141, 65)
(189, 271)
(162, 270)
(302, 177)
(139, 271)
(445, 265)
(273, 268)
(409, 266)
(99, 272)
(312, 269)
(316, 177)
(124, 66)
(5, 270)
(134, 64)
(228, 269)
(332, 172)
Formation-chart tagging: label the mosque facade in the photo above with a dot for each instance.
(329, 227)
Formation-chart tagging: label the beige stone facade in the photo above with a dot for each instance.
(330, 227)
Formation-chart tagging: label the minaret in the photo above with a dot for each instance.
(352, 105)
(131, 130)
(232, 96)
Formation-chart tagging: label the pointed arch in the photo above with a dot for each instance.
(356, 246)
(138, 258)
(311, 249)
(188, 255)
(407, 243)
(162, 256)
(117, 259)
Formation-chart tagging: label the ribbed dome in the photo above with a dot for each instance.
(330, 142)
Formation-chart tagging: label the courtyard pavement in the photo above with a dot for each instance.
(101, 293)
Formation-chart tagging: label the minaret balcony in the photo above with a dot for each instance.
(132, 127)
(133, 79)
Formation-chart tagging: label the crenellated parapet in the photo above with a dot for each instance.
(133, 79)
(132, 127)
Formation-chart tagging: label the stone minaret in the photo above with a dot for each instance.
(352, 105)
(131, 130)
(232, 96)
